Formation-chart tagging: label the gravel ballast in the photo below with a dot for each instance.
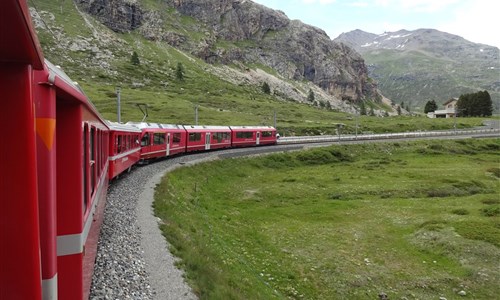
(133, 260)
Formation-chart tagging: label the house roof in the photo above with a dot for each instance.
(451, 100)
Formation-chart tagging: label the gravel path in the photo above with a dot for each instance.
(133, 261)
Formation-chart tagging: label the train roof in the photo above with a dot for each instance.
(17, 35)
(209, 127)
(145, 125)
(123, 127)
(253, 127)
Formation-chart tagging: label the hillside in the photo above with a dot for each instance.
(417, 66)
(93, 41)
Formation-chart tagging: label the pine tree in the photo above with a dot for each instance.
(179, 71)
(430, 106)
(362, 109)
(475, 104)
(265, 88)
(310, 97)
(135, 59)
(399, 110)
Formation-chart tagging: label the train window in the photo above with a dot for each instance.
(92, 159)
(98, 158)
(145, 140)
(159, 139)
(177, 138)
(84, 166)
(267, 133)
(244, 134)
(118, 144)
(195, 136)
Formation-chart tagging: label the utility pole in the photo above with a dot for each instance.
(357, 116)
(118, 109)
(275, 119)
(196, 114)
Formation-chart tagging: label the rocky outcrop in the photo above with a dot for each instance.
(296, 50)
(118, 15)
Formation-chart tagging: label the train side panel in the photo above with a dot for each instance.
(200, 138)
(124, 148)
(161, 140)
(19, 223)
(245, 136)
(20, 259)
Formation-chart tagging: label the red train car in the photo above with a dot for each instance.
(207, 137)
(124, 148)
(53, 170)
(161, 140)
(243, 136)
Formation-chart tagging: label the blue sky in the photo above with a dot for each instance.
(475, 20)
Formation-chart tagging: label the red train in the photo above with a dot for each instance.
(163, 140)
(58, 161)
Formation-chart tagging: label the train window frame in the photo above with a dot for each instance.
(145, 141)
(244, 134)
(195, 136)
(158, 138)
(176, 138)
(92, 145)
(266, 134)
(85, 191)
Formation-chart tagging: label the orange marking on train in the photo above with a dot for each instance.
(45, 127)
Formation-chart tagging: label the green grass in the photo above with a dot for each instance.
(343, 222)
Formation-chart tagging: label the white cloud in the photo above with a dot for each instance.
(360, 4)
(428, 6)
(477, 21)
(319, 1)
(414, 5)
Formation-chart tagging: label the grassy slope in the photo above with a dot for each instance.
(345, 222)
(415, 77)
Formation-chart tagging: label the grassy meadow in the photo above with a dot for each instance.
(415, 220)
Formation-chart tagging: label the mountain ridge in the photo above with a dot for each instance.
(439, 65)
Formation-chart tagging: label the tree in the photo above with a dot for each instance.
(372, 112)
(399, 110)
(265, 88)
(362, 109)
(179, 71)
(475, 104)
(430, 106)
(135, 59)
(310, 97)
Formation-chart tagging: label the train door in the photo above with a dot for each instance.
(207, 141)
(145, 144)
(257, 140)
(168, 144)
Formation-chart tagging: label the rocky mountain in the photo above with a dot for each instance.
(426, 64)
(241, 31)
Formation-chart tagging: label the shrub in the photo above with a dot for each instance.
(494, 171)
(460, 211)
(490, 201)
(491, 211)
